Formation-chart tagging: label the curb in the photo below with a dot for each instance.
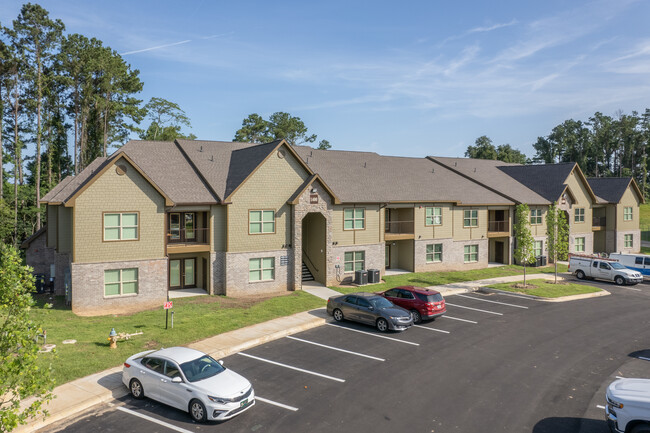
(111, 393)
(537, 298)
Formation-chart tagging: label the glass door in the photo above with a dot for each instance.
(189, 226)
(182, 273)
(174, 226)
(175, 273)
(190, 268)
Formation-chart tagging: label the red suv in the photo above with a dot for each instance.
(422, 303)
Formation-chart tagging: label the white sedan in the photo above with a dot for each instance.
(188, 380)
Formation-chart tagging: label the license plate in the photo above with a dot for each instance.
(243, 403)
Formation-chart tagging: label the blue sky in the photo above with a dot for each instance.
(397, 78)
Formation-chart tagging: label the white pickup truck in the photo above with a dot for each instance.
(604, 269)
(628, 406)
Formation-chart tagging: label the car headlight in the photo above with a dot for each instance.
(219, 400)
(614, 403)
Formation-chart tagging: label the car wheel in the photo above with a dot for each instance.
(136, 389)
(415, 314)
(197, 411)
(580, 275)
(641, 428)
(338, 315)
(619, 280)
(382, 325)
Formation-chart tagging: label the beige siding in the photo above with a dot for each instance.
(52, 225)
(611, 217)
(422, 231)
(629, 199)
(539, 229)
(218, 225)
(583, 200)
(461, 233)
(114, 193)
(373, 232)
(64, 219)
(268, 188)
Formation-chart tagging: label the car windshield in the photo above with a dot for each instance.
(201, 368)
(430, 298)
(379, 303)
(617, 266)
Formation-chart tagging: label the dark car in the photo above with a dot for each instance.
(370, 309)
(422, 303)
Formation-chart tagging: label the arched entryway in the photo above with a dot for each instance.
(314, 247)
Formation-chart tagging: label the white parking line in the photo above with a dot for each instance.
(516, 296)
(335, 348)
(630, 288)
(275, 403)
(600, 407)
(494, 302)
(292, 368)
(475, 309)
(431, 329)
(374, 335)
(456, 318)
(154, 420)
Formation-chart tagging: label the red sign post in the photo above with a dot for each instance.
(168, 305)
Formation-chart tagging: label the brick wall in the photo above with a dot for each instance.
(375, 255)
(237, 283)
(88, 297)
(453, 254)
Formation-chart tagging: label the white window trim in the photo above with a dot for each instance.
(121, 283)
(261, 270)
(354, 261)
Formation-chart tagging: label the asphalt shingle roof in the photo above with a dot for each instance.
(60, 195)
(546, 180)
(610, 189)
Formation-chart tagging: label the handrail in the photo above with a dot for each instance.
(310, 262)
(399, 227)
(498, 226)
(201, 235)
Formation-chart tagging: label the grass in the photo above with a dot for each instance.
(194, 319)
(644, 210)
(546, 289)
(424, 279)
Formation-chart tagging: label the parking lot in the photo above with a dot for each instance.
(495, 362)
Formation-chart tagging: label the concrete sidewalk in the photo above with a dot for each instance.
(81, 394)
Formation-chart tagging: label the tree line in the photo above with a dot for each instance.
(603, 146)
(55, 88)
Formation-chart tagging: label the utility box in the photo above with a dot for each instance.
(373, 276)
(361, 277)
(543, 260)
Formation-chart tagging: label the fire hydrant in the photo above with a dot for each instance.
(112, 337)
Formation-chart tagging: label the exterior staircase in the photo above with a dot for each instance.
(306, 273)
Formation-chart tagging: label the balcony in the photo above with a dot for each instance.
(498, 229)
(598, 223)
(188, 240)
(396, 230)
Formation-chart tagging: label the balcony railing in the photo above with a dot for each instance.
(188, 236)
(497, 226)
(399, 227)
(599, 221)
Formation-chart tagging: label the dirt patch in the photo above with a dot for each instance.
(240, 302)
(520, 286)
(151, 344)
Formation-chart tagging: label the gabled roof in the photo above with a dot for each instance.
(489, 173)
(308, 183)
(547, 180)
(25, 244)
(611, 189)
(64, 190)
(366, 177)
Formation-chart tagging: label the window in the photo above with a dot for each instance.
(535, 216)
(627, 214)
(537, 248)
(471, 218)
(471, 253)
(120, 282)
(433, 216)
(580, 245)
(604, 265)
(262, 269)
(579, 215)
(628, 241)
(638, 260)
(434, 253)
(261, 222)
(121, 226)
(354, 219)
(355, 261)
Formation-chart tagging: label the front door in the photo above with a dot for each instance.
(498, 251)
(182, 273)
(387, 256)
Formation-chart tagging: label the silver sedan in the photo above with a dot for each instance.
(188, 380)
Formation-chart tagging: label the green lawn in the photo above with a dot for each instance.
(194, 319)
(546, 289)
(644, 210)
(424, 279)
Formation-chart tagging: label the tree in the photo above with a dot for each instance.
(38, 35)
(20, 375)
(524, 250)
(557, 235)
(279, 126)
(482, 149)
(166, 120)
(506, 153)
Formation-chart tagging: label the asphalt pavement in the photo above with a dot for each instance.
(495, 363)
